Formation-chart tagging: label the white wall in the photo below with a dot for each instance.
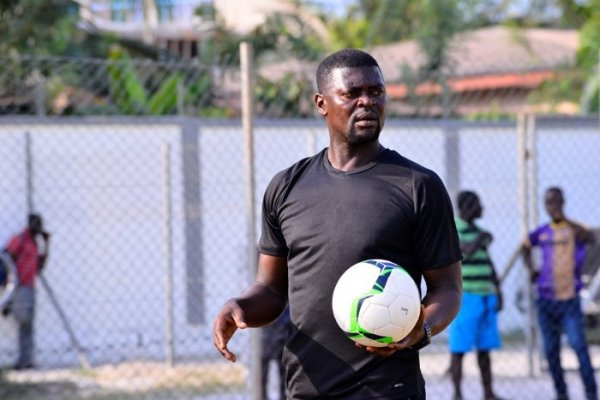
(99, 185)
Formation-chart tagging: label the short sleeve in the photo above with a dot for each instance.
(14, 245)
(271, 240)
(534, 237)
(436, 237)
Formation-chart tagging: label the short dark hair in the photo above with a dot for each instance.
(347, 58)
(555, 189)
(33, 217)
(465, 200)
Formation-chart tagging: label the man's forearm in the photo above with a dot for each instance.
(441, 306)
(528, 261)
(261, 304)
(444, 295)
(526, 253)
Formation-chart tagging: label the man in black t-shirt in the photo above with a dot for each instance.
(355, 200)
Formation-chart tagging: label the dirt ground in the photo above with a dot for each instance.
(125, 381)
(224, 381)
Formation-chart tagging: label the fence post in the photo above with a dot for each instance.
(180, 98)
(534, 222)
(452, 149)
(168, 258)
(247, 74)
(524, 207)
(28, 173)
(532, 176)
(190, 147)
(40, 94)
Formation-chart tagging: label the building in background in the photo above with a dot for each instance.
(494, 68)
(173, 24)
(493, 71)
(166, 24)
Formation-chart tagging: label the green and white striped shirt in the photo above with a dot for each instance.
(477, 272)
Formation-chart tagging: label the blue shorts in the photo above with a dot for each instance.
(476, 325)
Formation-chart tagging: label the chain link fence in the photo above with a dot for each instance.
(64, 86)
(45, 86)
(149, 230)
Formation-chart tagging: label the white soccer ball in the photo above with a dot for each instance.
(376, 302)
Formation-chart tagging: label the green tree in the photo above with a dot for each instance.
(46, 28)
(588, 58)
(130, 94)
(579, 83)
(369, 23)
(37, 27)
(282, 36)
(373, 22)
(439, 21)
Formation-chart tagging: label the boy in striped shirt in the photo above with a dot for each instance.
(476, 325)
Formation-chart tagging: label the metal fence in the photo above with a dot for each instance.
(122, 86)
(149, 238)
(51, 86)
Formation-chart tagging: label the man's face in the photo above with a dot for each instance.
(554, 201)
(36, 225)
(472, 209)
(477, 209)
(354, 104)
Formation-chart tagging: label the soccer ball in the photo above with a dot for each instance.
(376, 302)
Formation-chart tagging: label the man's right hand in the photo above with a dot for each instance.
(229, 319)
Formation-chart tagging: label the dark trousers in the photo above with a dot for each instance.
(556, 317)
(23, 310)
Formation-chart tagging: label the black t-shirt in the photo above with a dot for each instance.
(324, 220)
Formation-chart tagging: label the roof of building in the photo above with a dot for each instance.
(487, 58)
(492, 50)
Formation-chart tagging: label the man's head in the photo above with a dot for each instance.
(35, 223)
(554, 202)
(347, 58)
(469, 206)
(351, 95)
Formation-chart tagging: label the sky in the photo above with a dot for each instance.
(516, 7)
(335, 5)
